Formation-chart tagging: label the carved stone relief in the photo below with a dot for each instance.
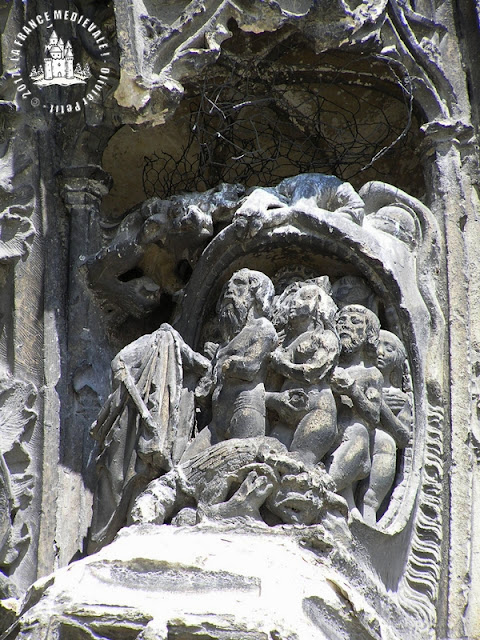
(17, 418)
(289, 446)
(18, 398)
(314, 373)
(153, 244)
(288, 396)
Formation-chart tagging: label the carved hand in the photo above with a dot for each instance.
(342, 381)
(210, 349)
(394, 399)
(227, 365)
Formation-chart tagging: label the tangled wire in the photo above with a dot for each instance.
(258, 123)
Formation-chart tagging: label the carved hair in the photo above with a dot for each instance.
(262, 289)
(372, 328)
(326, 307)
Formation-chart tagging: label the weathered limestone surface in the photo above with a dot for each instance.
(302, 413)
(239, 336)
(215, 582)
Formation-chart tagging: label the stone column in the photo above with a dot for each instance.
(451, 147)
(88, 360)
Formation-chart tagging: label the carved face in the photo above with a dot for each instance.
(194, 220)
(351, 290)
(303, 302)
(391, 356)
(298, 499)
(352, 330)
(236, 301)
(387, 352)
(238, 290)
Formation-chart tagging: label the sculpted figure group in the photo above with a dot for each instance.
(304, 400)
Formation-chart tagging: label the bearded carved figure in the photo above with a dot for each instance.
(293, 400)
(239, 364)
(285, 405)
(287, 444)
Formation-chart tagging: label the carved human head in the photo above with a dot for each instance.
(304, 301)
(398, 220)
(246, 289)
(299, 497)
(310, 298)
(358, 328)
(192, 219)
(391, 357)
(256, 286)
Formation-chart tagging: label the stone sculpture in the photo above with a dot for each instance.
(264, 472)
(234, 379)
(278, 402)
(232, 481)
(145, 424)
(308, 354)
(239, 364)
(358, 383)
(281, 400)
(395, 423)
(17, 419)
(288, 368)
(5, 505)
(354, 290)
(162, 233)
(314, 192)
(16, 233)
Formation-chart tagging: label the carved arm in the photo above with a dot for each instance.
(247, 364)
(394, 426)
(191, 360)
(366, 400)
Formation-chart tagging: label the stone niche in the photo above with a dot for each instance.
(269, 276)
(286, 418)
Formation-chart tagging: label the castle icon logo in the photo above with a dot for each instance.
(58, 65)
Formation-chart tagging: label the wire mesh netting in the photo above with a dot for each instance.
(259, 122)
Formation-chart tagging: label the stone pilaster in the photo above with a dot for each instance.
(451, 148)
(82, 191)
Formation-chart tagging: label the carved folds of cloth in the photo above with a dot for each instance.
(293, 384)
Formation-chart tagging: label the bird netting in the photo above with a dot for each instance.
(259, 122)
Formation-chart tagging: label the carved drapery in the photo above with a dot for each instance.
(176, 253)
(327, 252)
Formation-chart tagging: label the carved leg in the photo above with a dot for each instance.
(247, 422)
(248, 417)
(382, 474)
(316, 432)
(351, 461)
(283, 433)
